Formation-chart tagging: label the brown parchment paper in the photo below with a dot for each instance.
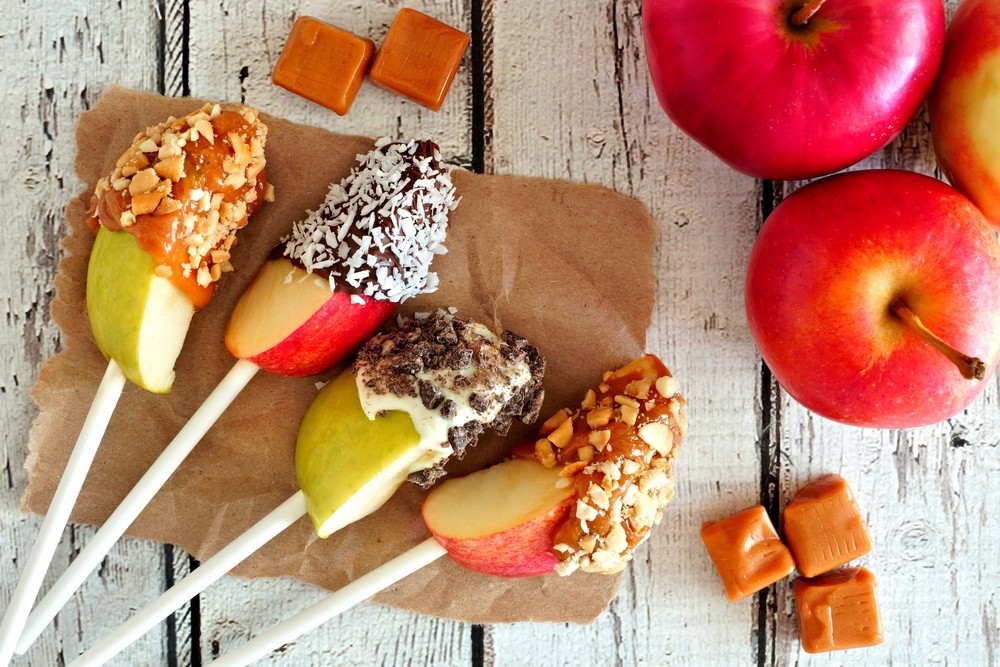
(566, 265)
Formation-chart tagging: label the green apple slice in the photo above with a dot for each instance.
(138, 319)
(348, 465)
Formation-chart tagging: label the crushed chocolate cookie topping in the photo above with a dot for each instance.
(617, 450)
(379, 229)
(453, 377)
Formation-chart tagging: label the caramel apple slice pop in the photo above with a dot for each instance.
(582, 497)
(417, 396)
(165, 221)
(326, 288)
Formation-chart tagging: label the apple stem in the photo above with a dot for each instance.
(971, 368)
(806, 12)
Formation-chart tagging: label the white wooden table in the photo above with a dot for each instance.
(555, 89)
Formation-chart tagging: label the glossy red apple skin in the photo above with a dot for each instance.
(290, 323)
(501, 521)
(829, 263)
(337, 329)
(965, 104)
(785, 104)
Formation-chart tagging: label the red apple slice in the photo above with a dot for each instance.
(501, 521)
(289, 322)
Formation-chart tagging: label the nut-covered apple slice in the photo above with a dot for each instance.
(327, 288)
(502, 520)
(542, 511)
(165, 219)
(417, 395)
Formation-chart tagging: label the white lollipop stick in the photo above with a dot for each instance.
(350, 595)
(201, 578)
(57, 516)
(137, 499)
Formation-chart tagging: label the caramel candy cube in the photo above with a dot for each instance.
(824, 527)
(323, 64)
(419, 58)
(838, 610)
(746, 552)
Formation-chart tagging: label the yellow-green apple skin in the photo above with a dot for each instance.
(348, 465)
(138, 319)
(291, 323)
(501, 521)
(965, 105)
(828, 274)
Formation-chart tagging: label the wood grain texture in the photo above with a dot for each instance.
(225, 64)
(579, 105)
(57, 58)
(549, 89)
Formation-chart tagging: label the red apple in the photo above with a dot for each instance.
(291, 323)
(874, 298)
(786, 89)
(965, 105)
(501, 521)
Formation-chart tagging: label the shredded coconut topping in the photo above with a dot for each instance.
(379, 228)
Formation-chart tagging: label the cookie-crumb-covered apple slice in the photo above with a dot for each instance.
(421, 394)
(570, 508)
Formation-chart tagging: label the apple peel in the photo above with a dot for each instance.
(504, 521)
(325, 325)
(349, 463)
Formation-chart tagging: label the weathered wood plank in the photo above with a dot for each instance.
(234, 46)
(242, 41)
(57, 57)
(578, 104)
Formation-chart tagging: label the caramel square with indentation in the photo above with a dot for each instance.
(824, 528)
(419, 58)
(746, 552)
(838, 610)
(323, 64)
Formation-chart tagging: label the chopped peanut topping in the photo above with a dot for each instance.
(179, 172)
(618, 450)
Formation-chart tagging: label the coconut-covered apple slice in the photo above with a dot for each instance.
(165, 220)
(327, 287)
(336, 279)
(417, 395)
(583, 496)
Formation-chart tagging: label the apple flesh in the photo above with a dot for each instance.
(874, 298)
(501, 521)
(965, 105)
(291, 323)
(788, 90)
(138, 319)
(348, 465)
